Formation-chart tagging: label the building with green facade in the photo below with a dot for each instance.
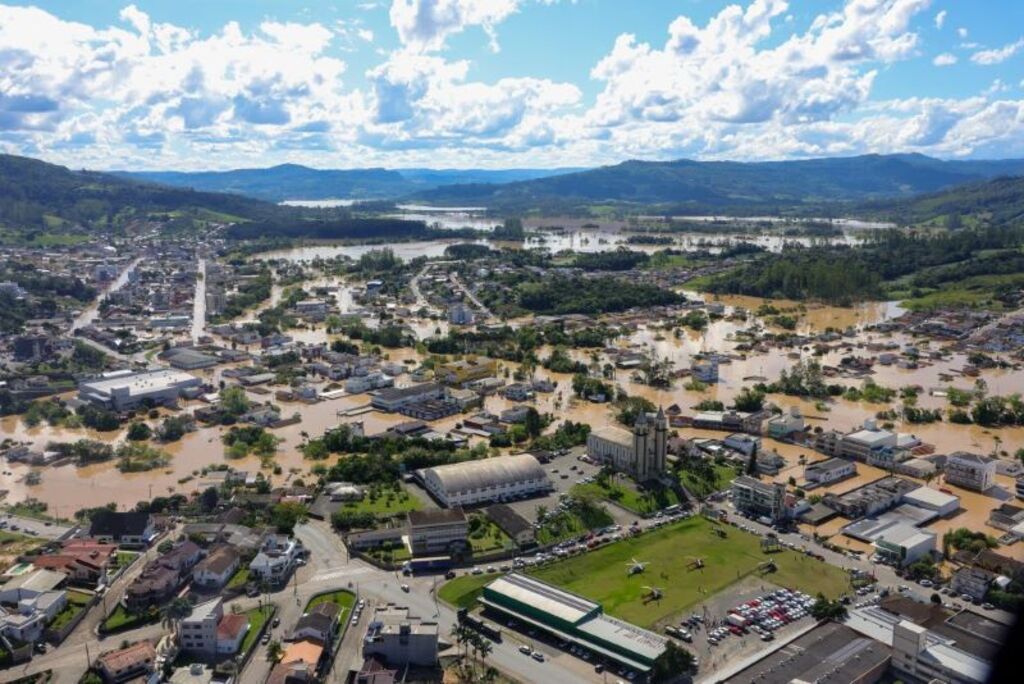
(574, 619)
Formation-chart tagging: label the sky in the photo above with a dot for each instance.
(218, 84)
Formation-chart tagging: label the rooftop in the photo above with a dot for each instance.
(486, 472)
(436, 517)
(542, 596)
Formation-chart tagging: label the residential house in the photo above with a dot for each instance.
(231, 630)
(320, 623)
(214, 571)
(124, 528)
(275, 560)
(84, 561)
(31, 584)
(125, 664)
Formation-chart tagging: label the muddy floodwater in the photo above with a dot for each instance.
(68, 488)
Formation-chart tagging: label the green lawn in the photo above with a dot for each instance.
(601, 575)
(384, 502)
(724, 474)
(239, 579)
(343, 599)
(77, 601)
(489, 537)
(462, 592)
(121, 619)
(625, 494)
(257, 618)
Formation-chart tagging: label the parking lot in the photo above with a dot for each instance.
(31, 527)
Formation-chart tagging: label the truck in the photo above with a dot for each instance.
(477, 624)
(425, 565)
(736, 620)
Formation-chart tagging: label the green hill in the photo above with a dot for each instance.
(996, 202)
(687, 186)
(41, 201)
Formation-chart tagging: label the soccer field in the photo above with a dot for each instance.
(601, 575)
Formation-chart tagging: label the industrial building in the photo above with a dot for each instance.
(859, 445)
(830, 652)
(488, 480)
(829, 471)
(572, 618)
(394, 398)
(932, 499)
(126, 390)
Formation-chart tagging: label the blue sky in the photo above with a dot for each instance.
(502, 83)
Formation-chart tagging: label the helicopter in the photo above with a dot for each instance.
(653, 594)
(635, 567)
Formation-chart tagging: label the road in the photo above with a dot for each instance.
(472, 297)
(33, 527)
(199, 302)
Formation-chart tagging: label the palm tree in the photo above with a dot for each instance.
(173, 612)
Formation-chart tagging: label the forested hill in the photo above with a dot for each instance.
(296, 182)
(702, 186)
(37, 198)
(996, 202)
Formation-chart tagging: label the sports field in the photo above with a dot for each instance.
(669, 552)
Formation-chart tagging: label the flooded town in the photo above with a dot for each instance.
(511, 342)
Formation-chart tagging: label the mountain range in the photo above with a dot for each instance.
(742, 186)
(296, 182)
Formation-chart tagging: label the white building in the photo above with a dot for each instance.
(786, 424)
(399, 638)
(125, 390)
(829, 470)
(743, 443)
(860, 444)
(216, 569)
(927, 657)
(487, 480)
(760, 499)
(198, 631)
(437, 532)
(460, 314)
(275, 560)
(639, 453)
(365, 383)
(903, 544)
(394, 398)
(933, 500)
(971, 471)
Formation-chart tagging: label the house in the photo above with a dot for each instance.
(153, 586)
(214, 571)
(21, 627)
(84, 561)
(305, 651)
(137, 660)
(511, 523)
(320, 623)
(31, 584)
(231, 632)
(275, 560)
(295, 672)
(972, 581)
(127, 529)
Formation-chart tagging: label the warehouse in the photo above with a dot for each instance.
(574, 619)
(502, 478)
(934, 500)
(126, 390)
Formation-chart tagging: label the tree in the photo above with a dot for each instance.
(274, 651)
(233, 401)
(752, 461)
(172, 613)
(286, 515)
(824, 609)
(139, 431)
(673, 662)
(749, 400)
(209, 498)
(533, 423)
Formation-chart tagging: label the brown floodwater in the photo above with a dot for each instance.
(68, 488)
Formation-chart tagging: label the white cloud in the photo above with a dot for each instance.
(997, 55)
(962, 32)
(945, 59)
(940, 19)
(425, 25)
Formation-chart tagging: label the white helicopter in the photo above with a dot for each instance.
(635, 567)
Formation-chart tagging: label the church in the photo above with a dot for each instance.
(639, 453)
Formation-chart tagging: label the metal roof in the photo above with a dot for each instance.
(544, 597)
(485, 473)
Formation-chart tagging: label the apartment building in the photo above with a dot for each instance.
(437, 531)
(970, 471)
(759, 499)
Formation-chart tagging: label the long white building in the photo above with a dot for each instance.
(487, 480)
(125, 390)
